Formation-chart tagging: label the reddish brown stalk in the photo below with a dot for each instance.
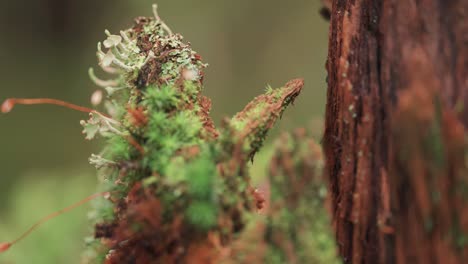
(8, 104)
(135, 144)
(7, 245)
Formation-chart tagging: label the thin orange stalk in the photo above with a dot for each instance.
(135, 144)
(7, 245)
(8, 104)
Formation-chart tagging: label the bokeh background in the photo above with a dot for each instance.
(46, 48)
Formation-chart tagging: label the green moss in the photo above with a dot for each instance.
(200, 175)
(163, 98)
(428, 224)
(461, 241)
(462, 189)
(176, 175)
(275, 256)
(202, 215)
(434, 144)
(118, 148)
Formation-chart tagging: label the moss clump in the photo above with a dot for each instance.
(298, 226)
(171, 173)
(293, 226)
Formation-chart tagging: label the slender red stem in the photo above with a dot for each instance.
(135, 144)
(8, 104)
(6, 245)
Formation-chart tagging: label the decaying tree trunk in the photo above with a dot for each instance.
(395, 133)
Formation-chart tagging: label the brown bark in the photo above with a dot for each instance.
(395, 130)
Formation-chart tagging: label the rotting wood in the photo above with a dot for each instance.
(394, 67)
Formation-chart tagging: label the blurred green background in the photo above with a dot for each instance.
(46, 48)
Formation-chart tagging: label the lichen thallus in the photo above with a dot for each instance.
(158, 121)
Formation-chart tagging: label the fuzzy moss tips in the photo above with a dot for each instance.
(200, 178)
